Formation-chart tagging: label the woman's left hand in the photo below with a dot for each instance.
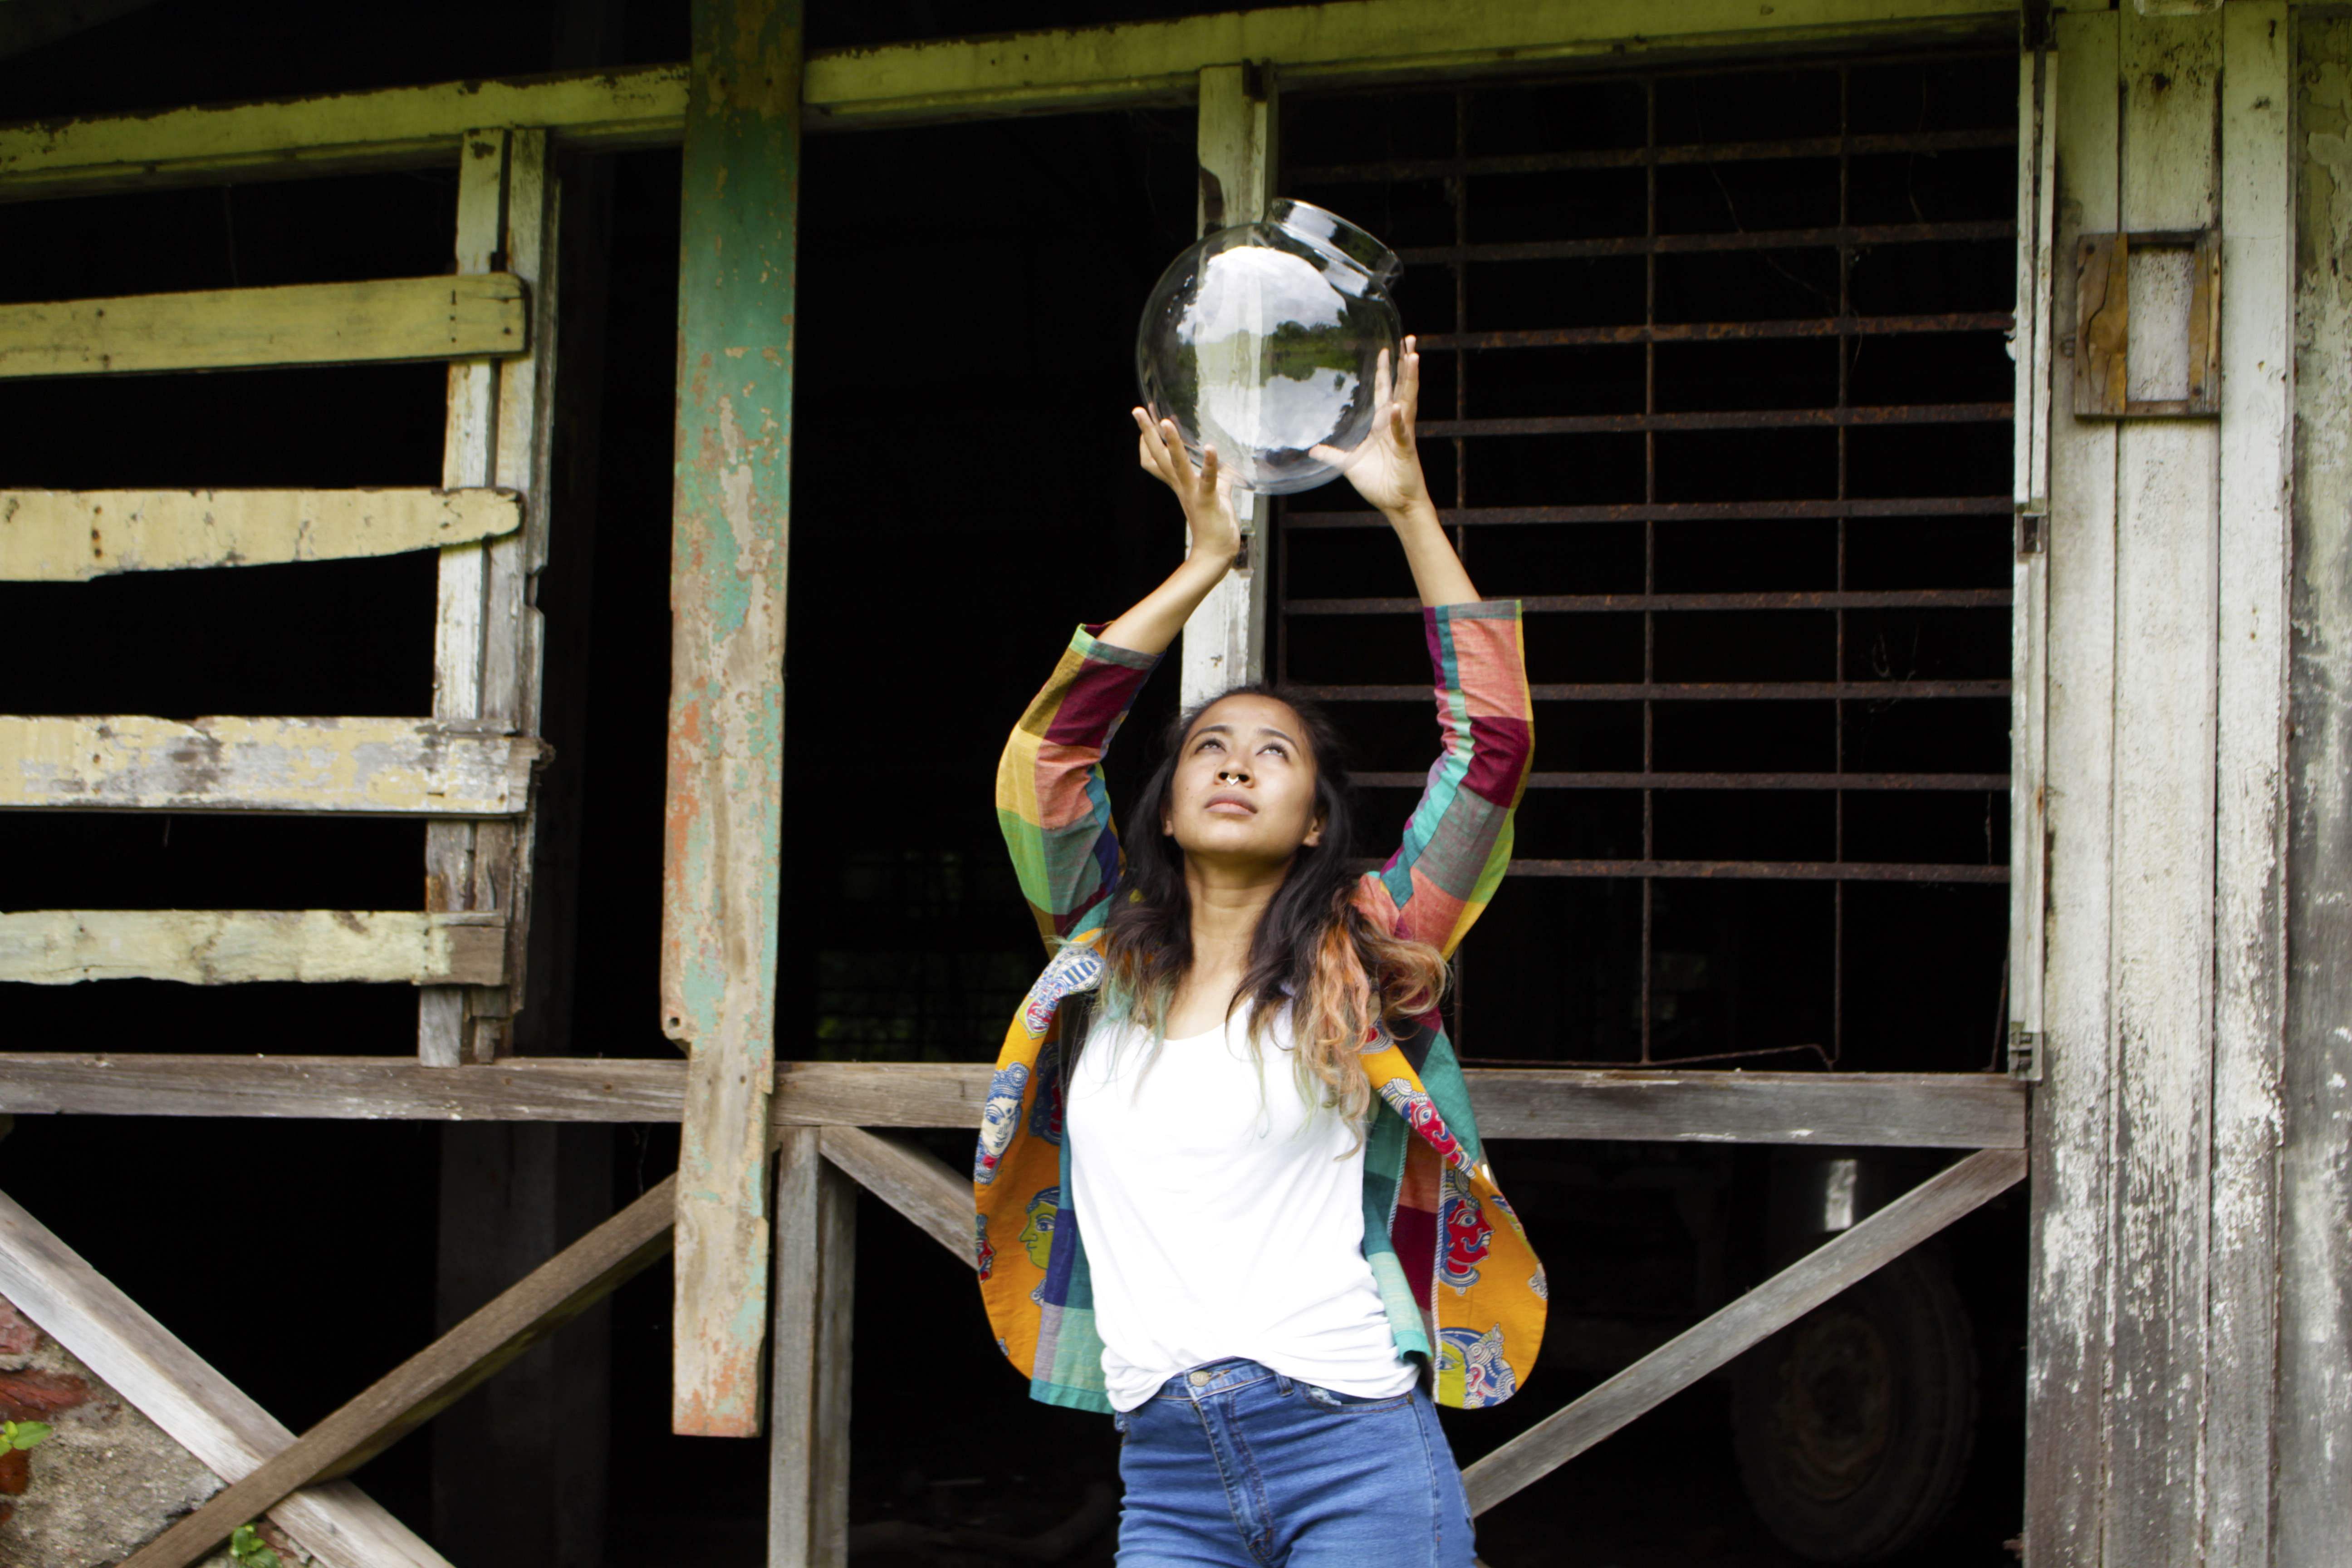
(1386, 470)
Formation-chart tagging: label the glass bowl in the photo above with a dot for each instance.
(1262, 341)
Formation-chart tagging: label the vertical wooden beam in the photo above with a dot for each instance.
(2313, 1479)
(1224, 641)
(2257, 319)
(486, 635)
(2166, 657)
(816, 1265)
(2037, 98)
(724, 821)
(2066, 1474)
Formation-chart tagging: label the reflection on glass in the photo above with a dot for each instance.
(1262, 341)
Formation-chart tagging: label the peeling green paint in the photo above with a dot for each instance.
(724, 818)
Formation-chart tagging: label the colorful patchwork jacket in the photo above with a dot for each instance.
(1462, 1288)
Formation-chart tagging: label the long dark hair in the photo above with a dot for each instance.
(1314, 952)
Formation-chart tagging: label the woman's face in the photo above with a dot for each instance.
(1244, 788)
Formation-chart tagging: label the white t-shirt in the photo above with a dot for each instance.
(1222, 1215)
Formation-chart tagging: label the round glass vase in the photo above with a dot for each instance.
(1262, 341)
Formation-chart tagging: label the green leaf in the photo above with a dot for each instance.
(28, 1433)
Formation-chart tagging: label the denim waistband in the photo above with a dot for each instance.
(1214, 1378)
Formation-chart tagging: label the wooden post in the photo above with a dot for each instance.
(2314, 1480)
(485, 659)
(816, 1269)
(724, 830)
(1225, 642)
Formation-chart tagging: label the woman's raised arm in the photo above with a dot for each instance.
(1051, 801)
(1458, 843)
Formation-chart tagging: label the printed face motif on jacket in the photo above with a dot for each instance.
(1464, 1233)
(983, 1250)
(1038, 1235)
(1470, 1365)
(1420, 1112)
(998, 1119)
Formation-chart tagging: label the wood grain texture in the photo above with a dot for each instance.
(2066, 1344)
(1223, 643)
(2168, 530)
(436, 1377)
(723, 830)
(2313, 1485)
(2251, 830)
(383, 320)
(910, 1180)
(2028, 731)
(227, 947)
(401, 127)
(809, 1393)
(68, 536)
(1753, 1317)
(1955, 1112)
(368, 767)
(138, 1358)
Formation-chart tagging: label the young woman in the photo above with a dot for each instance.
(1234, 1083)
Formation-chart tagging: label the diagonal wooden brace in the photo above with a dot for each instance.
(436, 1377)
(909, 1180)
(338, 1524)
(1764, 1311)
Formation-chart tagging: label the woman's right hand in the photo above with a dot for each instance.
(1207, 501)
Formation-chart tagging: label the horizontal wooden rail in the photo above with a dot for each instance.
(72, 536)
(227, 947)
(144, 1364)
(1063, 70)
(383, 320)
(433, 1378)
(1755, 1317)
(381, 767)
(1941, 1110)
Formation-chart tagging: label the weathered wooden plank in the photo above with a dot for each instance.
(335, 132)
(435, 1378)
(722, 865)
(370, 767)
(2167, 653)
(227, 947)
(1063, 70)
(487, 632)
(1224, 639)
(2313, 1486)
(69, 536)
(816, 1275)
(1714, 1341)
(337, 1523)
(2067, 1360)
(381, 320)
(2257, 314)
(1893, 1111)
(2028, 839)
(912, 1181)
(1082, 69)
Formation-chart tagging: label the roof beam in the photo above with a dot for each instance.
(1060, 71)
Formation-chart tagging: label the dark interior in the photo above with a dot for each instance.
(964, 490)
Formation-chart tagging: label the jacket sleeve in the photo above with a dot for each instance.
(1051, 801)
(1458, 843)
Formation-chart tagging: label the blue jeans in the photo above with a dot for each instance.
(1232, 1466)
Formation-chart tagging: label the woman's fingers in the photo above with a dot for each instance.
(1408, 388)
(1209, 469)
(1381, 378)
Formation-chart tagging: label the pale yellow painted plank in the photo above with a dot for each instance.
(395, 127)
(242, 329)
(67, 536)
(226, 947)
(1062, 70)
(365, 766)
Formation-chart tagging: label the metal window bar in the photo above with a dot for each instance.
(1463, 519)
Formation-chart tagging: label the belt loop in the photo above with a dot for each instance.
(1282, 1385)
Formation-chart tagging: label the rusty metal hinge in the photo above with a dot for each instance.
(2026, 1053)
